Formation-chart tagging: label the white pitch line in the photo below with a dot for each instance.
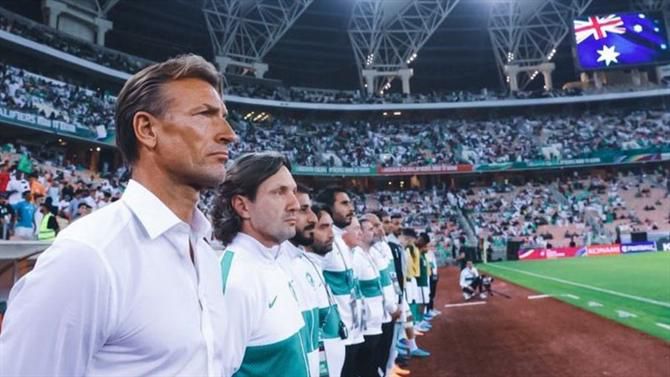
(537, 297)
(614, 293)
(570, 296)
(663, 325)
(465, 304)
(625, 314)
(594, 304)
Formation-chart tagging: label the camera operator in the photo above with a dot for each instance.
(471, 282)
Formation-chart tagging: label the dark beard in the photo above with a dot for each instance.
(342, 224)
(321, 250)
(300, 240)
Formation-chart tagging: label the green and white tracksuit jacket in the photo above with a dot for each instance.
(340, 277)
(265, 323)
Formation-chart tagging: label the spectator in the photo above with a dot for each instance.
(25, 218)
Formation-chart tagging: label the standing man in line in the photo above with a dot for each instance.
(301, 271)
(373, 296)
(383, 258)
(340, 277)
(434, 279)
(113, 275)
(254, 213)
(423, 280)
(333, 331)
(406, 239)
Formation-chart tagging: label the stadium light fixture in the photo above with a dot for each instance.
(97, 149)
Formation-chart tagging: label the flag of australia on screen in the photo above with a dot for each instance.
(620, 40)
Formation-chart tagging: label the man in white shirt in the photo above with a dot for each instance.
(253, 215)
(471, 282)
(373, 296)
(304, 276)
(333, 330)
(383, 258)
(134, 289)
(340, 277)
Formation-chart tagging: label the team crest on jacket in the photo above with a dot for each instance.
(310, 279)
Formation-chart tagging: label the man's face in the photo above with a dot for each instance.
(192, 136)
(406, 240)
(377, 228)
(387, 224)
(468, 265)
(305, 221)
(352, 233)
(273, 215)
(343, 210)
(367, 233)
(396, 225)
(323, 235)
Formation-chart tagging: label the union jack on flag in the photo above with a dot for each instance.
(598, 27)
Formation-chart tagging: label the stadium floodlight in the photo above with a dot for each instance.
(386, 35)
(247, 30)
(530, 30)
(650, 5)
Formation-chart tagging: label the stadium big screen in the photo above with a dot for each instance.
(620, 40)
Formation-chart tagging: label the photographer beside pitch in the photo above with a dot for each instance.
(471, 282)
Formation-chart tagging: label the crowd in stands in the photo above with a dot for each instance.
(375, 143)
(29, 29)
(35, 177)
(55, 100)
(576, 211)
(23, 27)
(451, 141)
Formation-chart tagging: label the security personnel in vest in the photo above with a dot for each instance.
(49, 226)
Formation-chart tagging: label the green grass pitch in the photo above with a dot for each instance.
(631, 289)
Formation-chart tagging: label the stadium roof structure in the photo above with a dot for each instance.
(449, 44)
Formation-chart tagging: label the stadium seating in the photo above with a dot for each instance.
(21, 26)
(379, 143)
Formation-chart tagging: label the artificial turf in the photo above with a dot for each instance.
(644, 275)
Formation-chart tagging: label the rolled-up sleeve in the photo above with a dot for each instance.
(58, 314)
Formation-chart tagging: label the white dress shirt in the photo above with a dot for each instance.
(117, 294)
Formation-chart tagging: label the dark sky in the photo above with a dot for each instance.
(316, 51)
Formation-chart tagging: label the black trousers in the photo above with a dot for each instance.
(367, 363)
(433, 288)
(384, 348)
(475, 284)
(349, 369)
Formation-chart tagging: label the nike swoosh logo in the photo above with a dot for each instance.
(272, 303)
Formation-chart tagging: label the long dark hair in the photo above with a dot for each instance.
(243, 177)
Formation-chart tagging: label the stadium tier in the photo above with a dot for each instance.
(321, 188)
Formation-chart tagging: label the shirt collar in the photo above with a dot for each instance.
(392, 238)
(155, 216)
(248, 243)
(317, 259)
(337, 231)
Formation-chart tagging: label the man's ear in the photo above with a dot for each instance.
(144, 127)
(240, 205)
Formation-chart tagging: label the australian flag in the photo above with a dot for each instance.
(624, 39)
